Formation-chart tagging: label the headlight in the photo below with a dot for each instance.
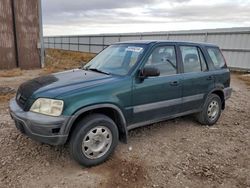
(47, 106)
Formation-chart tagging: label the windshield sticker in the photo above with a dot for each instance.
(134, 49)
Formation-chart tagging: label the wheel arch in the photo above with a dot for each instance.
(110, 110)
(220, 93)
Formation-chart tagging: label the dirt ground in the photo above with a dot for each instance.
(175, 153)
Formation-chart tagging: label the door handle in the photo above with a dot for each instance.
(210, 78)
(174, 83)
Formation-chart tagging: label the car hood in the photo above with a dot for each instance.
(57, 84)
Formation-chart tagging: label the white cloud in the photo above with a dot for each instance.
(63, 17)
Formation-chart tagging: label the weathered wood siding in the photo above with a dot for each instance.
(19, 34)
(27, 30)
(7, 45)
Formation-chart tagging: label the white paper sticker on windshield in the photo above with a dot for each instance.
(134, 49)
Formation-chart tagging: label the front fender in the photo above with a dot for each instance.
(122, 125)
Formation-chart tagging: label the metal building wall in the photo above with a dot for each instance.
(234, 42)
(19, 34)
(7, 46)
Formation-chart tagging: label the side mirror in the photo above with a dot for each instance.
(149, 72)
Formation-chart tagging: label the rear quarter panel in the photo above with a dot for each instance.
(222, 78)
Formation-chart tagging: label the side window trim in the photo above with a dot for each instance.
(200, 52)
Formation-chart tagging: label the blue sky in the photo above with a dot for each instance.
(74, 17)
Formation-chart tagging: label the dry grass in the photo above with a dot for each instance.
(60, 60)
(6, 93)
(242, 75)
(56, 61)
(11, 73)
(245, 78)
(6, 97)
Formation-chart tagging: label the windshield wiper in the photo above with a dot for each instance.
(97, 70)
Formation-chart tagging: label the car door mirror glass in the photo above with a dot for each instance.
(149, 71)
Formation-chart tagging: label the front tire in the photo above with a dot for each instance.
(93, 140)
(211, 111)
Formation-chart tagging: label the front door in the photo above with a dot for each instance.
(158, 97)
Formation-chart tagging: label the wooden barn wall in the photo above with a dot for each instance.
(27, 33)
(7, 44)
(19, 34)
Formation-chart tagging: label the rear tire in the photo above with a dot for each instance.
(93, 140)
(211, 111)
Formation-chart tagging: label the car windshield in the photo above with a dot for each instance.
(117, 59)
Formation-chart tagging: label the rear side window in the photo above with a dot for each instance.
(193, 59)
(216, 57)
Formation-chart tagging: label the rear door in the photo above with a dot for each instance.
(197, 80)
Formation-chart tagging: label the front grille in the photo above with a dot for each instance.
(21, 100)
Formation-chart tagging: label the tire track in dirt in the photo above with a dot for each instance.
(122, 173)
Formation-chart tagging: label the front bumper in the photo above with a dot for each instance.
(227, 92)
(45, 129)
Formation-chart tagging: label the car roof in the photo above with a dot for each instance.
(147, 42)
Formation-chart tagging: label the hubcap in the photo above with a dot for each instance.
(97, 142)
(213, 110)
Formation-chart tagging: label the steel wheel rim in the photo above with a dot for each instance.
(213, 110)
(97, 142)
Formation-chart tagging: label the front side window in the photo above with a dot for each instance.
(193, 59)
(116, 59)
(164, 59)
(216, 57)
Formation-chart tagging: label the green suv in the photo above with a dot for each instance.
(127, 85)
